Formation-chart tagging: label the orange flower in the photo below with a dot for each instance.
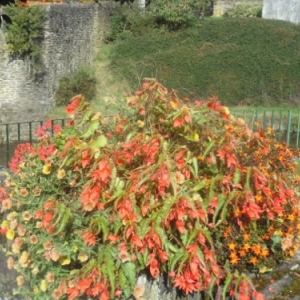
(10, 263)
(50, 277)
(26, 215)
(24, 192)
(232, 246)
(286, 243)
(6, 204)
(234, 258)
(37, 191)
(139, 291)
(265, 252)
(20, 280)
(179, 177)
(48, 245)
(254, 260)
(124, 256)
(57, 294)
(247, 236)
(243, 252)
(257, 248)
(247, 247)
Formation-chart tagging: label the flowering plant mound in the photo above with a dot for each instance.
(173, 188)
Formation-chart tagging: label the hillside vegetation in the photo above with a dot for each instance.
(243, 61)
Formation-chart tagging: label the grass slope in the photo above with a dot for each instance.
(243, 61)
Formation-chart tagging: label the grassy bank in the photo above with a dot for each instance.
(243, 61)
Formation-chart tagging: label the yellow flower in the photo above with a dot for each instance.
(140, 123)
(10, 234)
(195, 136)
(64, 260)
(36, 290)
(226, 110)
(4, 224)
(82, 257)
(23, 260)
(43, 285)
(35, 270)
(47, 169)
(61, 174)
(75, 249)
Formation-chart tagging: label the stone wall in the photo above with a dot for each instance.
(287, 10)
(221, 6)
(72, 34)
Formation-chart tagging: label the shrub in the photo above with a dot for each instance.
(82, 81)
(173, 188)
(25, 33)
(245, 11)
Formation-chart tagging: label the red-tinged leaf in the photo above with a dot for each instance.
(232, 161)
(187, 117)
(73, 293)
(192, 249)
(84, 284)
(244, 296)
(113, 238)
(163, 255)
(137, 241)
(105, 295)
(180, 226)
(258, 296)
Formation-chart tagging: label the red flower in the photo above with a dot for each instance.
(179, 122)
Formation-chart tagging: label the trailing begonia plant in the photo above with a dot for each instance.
(171, 187)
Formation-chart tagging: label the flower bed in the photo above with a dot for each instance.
(171, 187)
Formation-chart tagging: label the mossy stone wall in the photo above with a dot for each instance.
(72, 34)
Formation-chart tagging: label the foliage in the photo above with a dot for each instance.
(4, 17)
(25, 34)
(176, 14)
(172, 15)
(170, 187)
(82, 81)
(240, 60)
(245, 11)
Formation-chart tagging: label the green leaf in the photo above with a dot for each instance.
(91, 129)
(226, 286)
(174, 259)
(195, 166)
(123, 280)
(199, 186)
(208, 149)
(64, 221)
(86, 117)
(130, 272)
(211, 288)
(100, 142)
(110, 269)
(237, 176)
(105, 227)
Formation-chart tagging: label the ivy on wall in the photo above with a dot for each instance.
(25, 33)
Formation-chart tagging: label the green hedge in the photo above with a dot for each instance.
(240, 60)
